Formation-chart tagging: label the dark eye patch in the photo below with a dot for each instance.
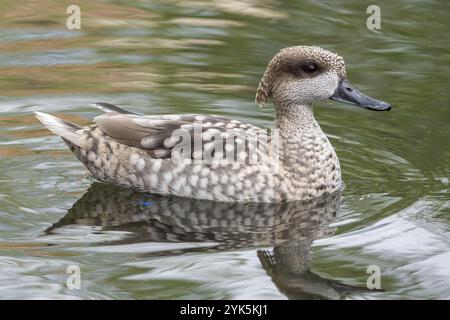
(310, 67)
(304, 69)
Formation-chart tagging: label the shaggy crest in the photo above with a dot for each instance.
(330, 60)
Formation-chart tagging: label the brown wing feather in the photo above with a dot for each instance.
(154, 133)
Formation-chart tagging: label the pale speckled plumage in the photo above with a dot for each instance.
(135, 151)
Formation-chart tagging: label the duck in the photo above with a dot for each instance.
(211, 157)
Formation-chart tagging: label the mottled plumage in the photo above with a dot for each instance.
(293, 162)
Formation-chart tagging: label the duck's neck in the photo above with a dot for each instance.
(295, 119)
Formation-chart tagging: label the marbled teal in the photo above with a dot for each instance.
(216, 158)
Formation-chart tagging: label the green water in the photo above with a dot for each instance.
(175, 56)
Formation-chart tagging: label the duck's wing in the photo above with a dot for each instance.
(108, 107)
(159, 135)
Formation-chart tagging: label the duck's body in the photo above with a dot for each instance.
(295, 162)
(308, 166)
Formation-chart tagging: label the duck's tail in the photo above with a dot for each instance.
(67, 130)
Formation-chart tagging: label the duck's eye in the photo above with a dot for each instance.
(310, 67)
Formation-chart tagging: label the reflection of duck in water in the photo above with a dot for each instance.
(289, 268)
(289, 227)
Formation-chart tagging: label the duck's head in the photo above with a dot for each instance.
(301, 75)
